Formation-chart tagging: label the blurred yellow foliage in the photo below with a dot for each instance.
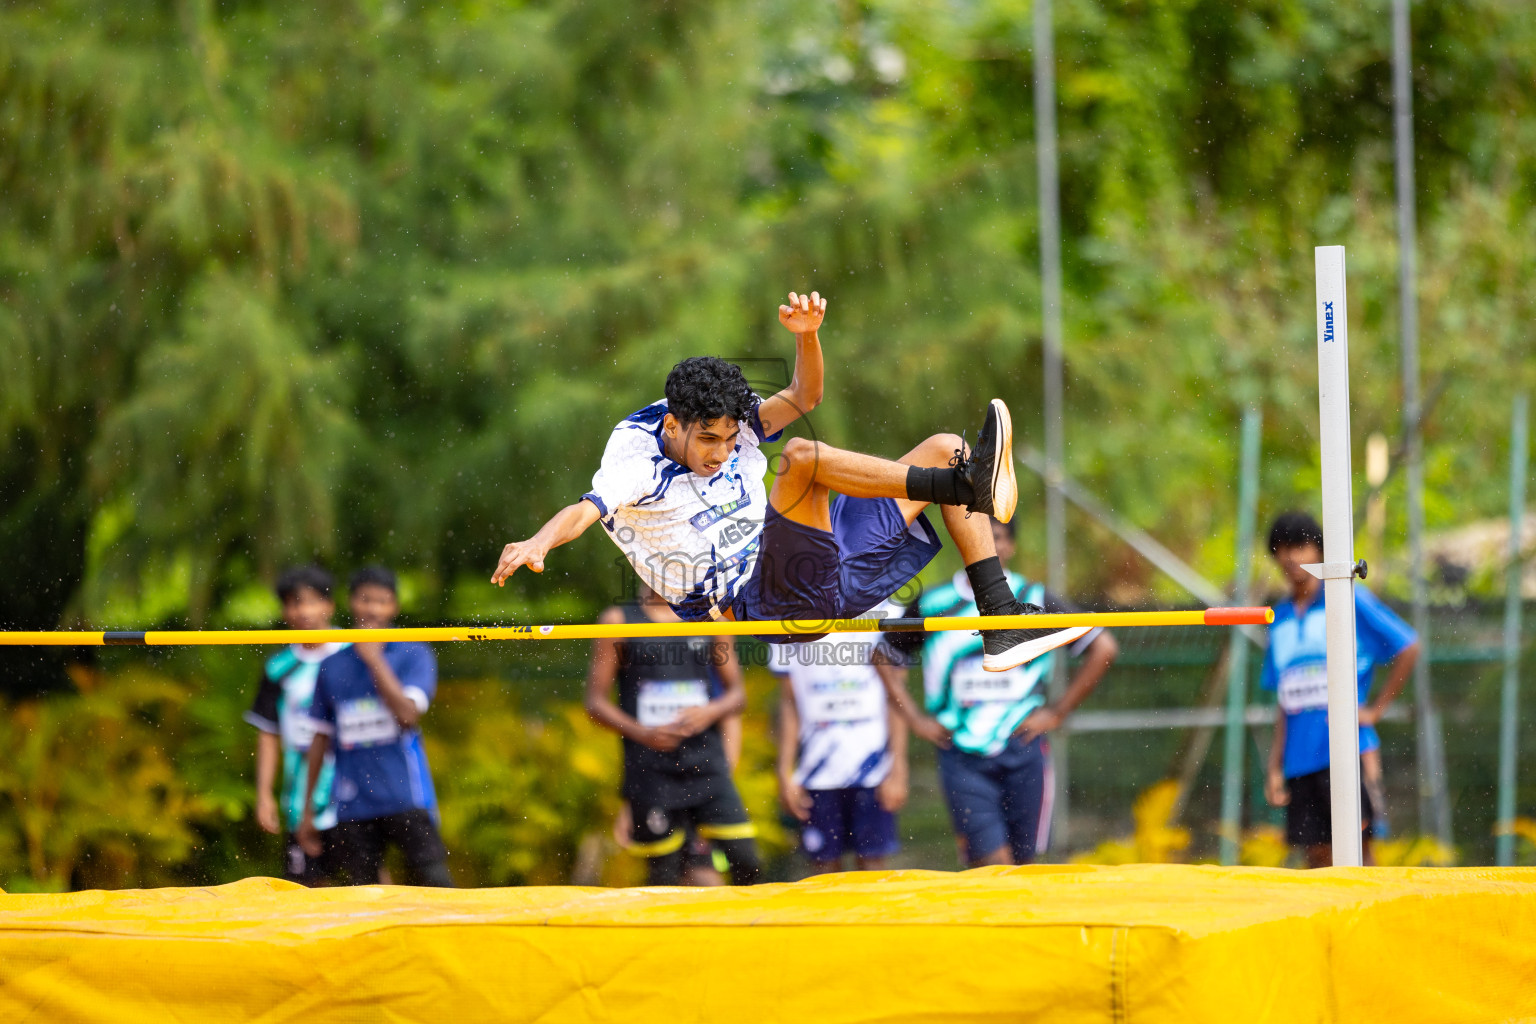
(1413, 852)
(1263, 846)
(1155, 840)
(89, 793)
(531, 798)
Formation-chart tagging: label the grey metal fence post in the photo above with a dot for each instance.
(1434, 804)
(1509, 711)
(1237, 670)
(1050, 301)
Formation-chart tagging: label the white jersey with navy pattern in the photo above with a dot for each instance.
(845, 739)
(693, 539)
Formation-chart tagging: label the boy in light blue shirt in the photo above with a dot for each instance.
(1296, 669)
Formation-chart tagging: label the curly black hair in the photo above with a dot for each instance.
(705, 388)
(297, 577)
(374, 575)
(1292, 530)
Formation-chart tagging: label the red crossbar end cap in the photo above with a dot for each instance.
(1239, 616)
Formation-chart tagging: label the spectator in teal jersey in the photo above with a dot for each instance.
(1296, 669)
(992, 728)
(280, 714)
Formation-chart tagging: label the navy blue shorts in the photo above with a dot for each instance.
(814, 576)
(1000, 800)
(848, 819)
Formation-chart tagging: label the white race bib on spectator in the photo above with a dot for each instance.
(661, 701)
(849, 700)
(365, 723)
(1303, 688)
(972, 684)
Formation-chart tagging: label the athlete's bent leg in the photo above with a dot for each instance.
(667, 868)
(741, 854)
(812, 469)
(1002, 855)
(796, 493)
(434, 875)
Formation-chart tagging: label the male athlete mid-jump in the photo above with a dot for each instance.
(680, 491)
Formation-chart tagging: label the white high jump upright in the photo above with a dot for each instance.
(1337, 570)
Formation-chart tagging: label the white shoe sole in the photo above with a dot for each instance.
(1005, 485)
(1029, 650)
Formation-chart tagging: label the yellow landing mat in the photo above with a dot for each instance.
(1136, 944)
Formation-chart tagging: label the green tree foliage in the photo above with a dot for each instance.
(370, 280)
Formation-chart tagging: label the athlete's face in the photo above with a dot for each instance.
(1291, 560)
(307, 608)
(373, 606)
(1006, 548)
(703, 446)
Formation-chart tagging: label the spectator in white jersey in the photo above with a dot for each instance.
(842, 748)
(680, 491)
(994, 754)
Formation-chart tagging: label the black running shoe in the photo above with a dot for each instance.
(989, 469)
(1003, 649)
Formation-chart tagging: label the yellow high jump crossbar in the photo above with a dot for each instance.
(592, 631)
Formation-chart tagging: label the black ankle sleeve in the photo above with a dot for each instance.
(993, 595)
(939, 485)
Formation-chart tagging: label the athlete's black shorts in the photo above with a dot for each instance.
(300, 867)
(360, 846)
(659, 831)
(1309, 815)
(702, 853)
(812, 575)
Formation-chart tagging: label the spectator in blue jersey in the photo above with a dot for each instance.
(1296, 669)
(842, 748)
(280, 714)
(368, 704)
(992, 728)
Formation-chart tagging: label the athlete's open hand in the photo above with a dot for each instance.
(516, 555)
(804, 312)
(1275, 790)
(266, 813)
(795, 799)
(1037, 724)
(690, 721)
(309, 838)
(927, 727)
(661, 738)
(892, 791)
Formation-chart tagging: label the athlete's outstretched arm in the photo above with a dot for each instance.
(568, 524)
(803, 316)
